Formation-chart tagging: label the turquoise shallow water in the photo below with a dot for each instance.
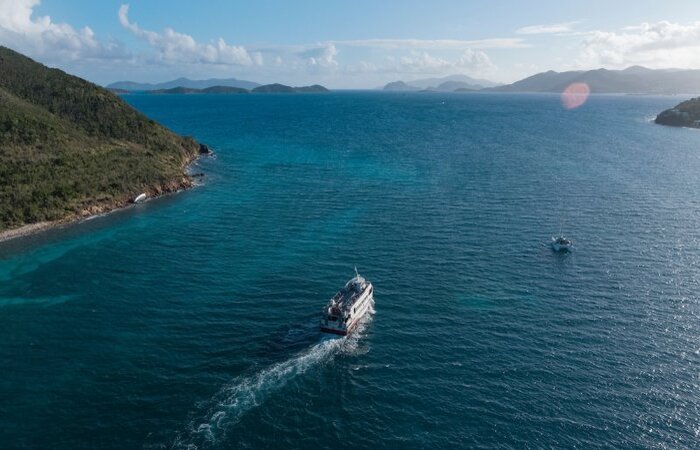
(191, 320)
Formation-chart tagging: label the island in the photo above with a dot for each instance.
(209, 90)
(176, 90)
(312, 88)
(133, 86)
(224, 90)
(399, 86)
(451, 83)
(70, 149)
(685, 114)
(277, 88)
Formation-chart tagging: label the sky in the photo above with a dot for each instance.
(348, 44)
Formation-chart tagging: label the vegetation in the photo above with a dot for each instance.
(686, 114)
(69, 147)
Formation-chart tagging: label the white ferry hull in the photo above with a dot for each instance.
(361, 306)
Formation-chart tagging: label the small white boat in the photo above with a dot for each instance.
(562, 244)
(348, 306)
(139, 198)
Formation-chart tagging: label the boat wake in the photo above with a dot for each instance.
(245, 393)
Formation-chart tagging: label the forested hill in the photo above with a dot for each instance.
(71, 148)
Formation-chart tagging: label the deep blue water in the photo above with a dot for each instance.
(191, 320)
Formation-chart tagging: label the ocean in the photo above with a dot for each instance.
(190, 321)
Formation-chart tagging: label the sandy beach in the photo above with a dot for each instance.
(26, 230)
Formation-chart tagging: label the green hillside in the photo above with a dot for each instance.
(69, 147)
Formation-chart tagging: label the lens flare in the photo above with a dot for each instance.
(575, 95)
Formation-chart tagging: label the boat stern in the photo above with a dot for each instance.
(336, 331)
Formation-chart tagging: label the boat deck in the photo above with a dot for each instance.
(346, 297)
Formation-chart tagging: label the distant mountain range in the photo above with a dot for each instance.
(449, 83)
(183, 83)
(633, 80)
(264, 89)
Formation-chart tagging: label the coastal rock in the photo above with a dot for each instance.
(685, 114)
(204, 149)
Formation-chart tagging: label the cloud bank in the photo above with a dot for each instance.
(174, 47)
(42, 38)
(435, 44)
(557, 28)
(350, 62)
(472, 62)
(655, 45)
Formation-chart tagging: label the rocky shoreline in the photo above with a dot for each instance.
(685, 114)
(183, 183)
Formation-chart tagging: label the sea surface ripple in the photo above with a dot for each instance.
(190, 321)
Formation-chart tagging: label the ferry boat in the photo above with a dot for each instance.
(348, 305)
(562, 244)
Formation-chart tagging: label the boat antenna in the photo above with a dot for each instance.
(356, 274)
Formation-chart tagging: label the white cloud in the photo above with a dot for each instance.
(473, 62)
(361, 67)
(435, 44)
(174, 47)
(42, 38)
(556, 28)
(422, 62)
(323, 56)
(655, 45)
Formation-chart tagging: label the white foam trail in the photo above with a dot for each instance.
(245, 393)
